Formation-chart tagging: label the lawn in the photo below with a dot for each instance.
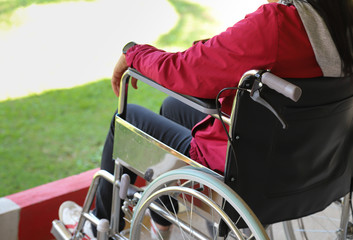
(58, 133)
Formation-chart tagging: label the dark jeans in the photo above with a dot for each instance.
(172, 127)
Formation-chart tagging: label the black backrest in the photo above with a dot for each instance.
(286, 174)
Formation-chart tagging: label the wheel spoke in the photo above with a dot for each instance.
(203, 198)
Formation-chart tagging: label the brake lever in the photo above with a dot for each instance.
(255, 95)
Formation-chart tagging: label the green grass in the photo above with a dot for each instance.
(59, 133)
(194, 23)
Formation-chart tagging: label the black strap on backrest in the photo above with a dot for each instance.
(287, 174)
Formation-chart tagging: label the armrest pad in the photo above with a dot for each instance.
(207, 106)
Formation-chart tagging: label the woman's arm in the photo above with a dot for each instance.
(206, 68)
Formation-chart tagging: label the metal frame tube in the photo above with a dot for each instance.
(233, 114)
(89, 199)
(288, 230)
(225, 119)
(124, 84)
(59, 231)
(342, 234)
(116, 201)
(90, 217)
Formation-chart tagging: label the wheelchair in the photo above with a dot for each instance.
(289, 158)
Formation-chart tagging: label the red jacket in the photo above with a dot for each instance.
(272, 38)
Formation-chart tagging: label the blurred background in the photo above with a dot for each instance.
(56, 58)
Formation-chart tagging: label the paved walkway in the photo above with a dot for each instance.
(67, 44)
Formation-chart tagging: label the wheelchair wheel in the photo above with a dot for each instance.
(200, 198)
(335, 222)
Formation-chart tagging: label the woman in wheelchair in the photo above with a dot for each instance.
(292, 38)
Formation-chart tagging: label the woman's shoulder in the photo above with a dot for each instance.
(271, 13)
(274, 8)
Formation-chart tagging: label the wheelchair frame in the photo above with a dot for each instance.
(140, 197)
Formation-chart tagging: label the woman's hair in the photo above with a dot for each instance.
(338, 16)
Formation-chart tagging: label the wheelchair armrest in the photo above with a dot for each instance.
(207, 106)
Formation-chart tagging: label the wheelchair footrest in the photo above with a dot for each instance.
(59, 231)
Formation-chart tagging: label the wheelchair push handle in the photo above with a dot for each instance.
(282, 86)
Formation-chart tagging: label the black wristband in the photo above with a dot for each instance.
(128, 46)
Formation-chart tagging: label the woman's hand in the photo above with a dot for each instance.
(120, 67)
